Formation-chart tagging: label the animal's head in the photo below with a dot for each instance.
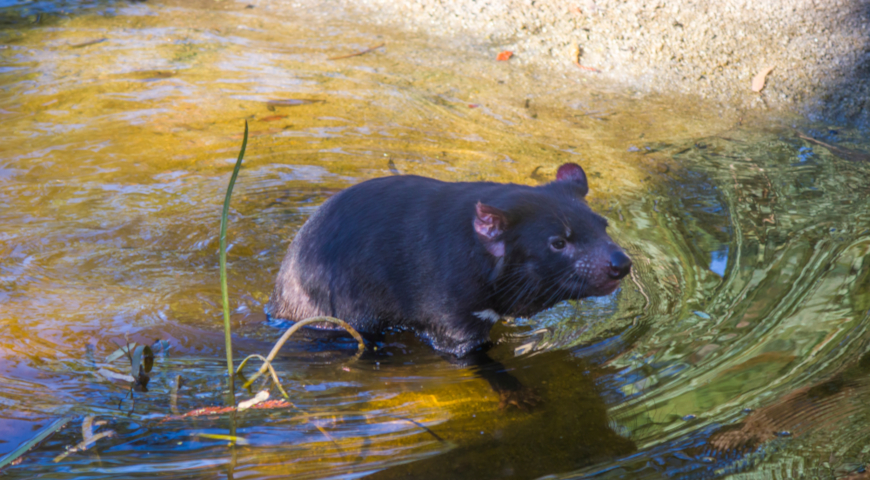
(549, 245)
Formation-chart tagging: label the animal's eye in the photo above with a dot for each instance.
(557, 244)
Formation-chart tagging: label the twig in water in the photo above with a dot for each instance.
(85, 444)
(361, 52)
(267, 364)
(424, 427)
(846, 153)
(296, 326)
(173, 395)
(88, 43)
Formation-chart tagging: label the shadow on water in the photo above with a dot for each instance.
(738, 344)
(569, 430)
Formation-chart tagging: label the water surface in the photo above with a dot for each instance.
(735, 347)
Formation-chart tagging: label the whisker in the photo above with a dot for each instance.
(526, 290)
(514, 282)
(562, 287)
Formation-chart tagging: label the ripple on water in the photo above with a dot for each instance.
(750, 247)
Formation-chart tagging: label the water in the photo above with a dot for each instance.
(736, 347)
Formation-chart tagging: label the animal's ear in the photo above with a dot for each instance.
(573, 173)
(490, 223)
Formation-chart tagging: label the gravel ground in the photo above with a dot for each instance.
(820, 49)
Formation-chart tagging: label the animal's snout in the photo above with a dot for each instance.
(620, 265)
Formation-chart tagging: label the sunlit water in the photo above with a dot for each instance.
(735, 347)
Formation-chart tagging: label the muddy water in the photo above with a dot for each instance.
(736, 346)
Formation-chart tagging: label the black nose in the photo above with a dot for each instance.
(620, 264)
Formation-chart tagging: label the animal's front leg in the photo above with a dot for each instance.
(511, 392)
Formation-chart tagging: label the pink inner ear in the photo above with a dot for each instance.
(571, 172)
(490, 222)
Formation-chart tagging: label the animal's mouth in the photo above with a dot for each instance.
(609, 287)
(599, 289)
(576, 288)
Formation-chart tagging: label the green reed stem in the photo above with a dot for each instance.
(225, 296)
(26, 446)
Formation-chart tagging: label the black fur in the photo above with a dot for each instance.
(417, 253)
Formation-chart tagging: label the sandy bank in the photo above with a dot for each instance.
(820, 49)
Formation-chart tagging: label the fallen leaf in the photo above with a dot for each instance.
(214, 411)
(269, 404)
(115, 376)
(505, 55)
(120, 352)
(576, 54)
(261, 397)
(272, 118)
(586, 67)
(226, 438)
(758, 80)
(473, 105)
(393, 168)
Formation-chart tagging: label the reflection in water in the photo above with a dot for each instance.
(751, 287)
(569, 431)
(719, 261)
(790, 312)
(831, 414)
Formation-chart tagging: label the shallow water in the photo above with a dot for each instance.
(735, 347)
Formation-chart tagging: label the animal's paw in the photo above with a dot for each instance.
(522, 398)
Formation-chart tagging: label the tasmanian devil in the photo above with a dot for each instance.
(447, 260)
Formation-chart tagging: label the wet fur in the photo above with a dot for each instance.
(416, 253)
